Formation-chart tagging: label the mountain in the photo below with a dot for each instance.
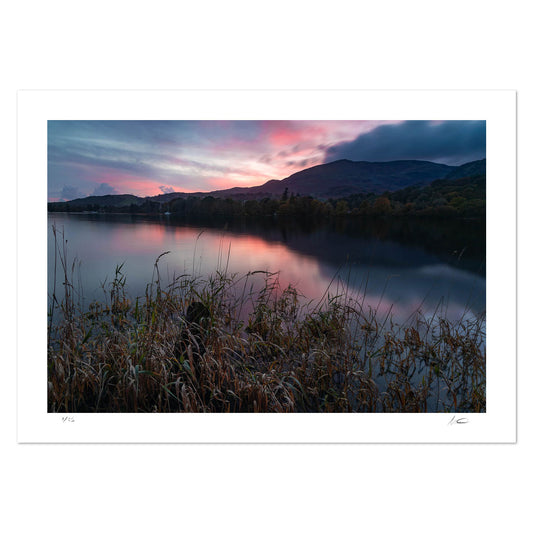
(474, 168)
(109, 200)
(338, 179)
(331, 180)
(344, 177)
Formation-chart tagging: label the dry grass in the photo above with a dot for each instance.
(252, 351)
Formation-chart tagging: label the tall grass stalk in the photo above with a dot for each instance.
(253, 347)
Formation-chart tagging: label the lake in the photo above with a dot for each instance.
(400, 266)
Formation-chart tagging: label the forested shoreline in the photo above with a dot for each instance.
(464, 197)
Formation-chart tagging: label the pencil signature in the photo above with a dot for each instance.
(462, 420)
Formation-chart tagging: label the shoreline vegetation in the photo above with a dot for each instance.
(463, 197)
(241, 343)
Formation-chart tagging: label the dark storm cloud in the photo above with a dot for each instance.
(452, 142)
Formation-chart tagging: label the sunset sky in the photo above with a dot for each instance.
(146, 158)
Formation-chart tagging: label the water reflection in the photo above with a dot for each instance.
(404, 264)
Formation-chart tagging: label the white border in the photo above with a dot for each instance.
(498, 108)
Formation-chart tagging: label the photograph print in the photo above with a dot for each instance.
(266, 266)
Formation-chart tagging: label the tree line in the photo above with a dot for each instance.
(464, 197)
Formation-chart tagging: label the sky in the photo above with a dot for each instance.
(146, 158)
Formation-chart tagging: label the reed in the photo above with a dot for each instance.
(229, 343)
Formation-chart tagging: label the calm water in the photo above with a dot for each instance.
(404, 264)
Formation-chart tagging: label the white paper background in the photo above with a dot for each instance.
(496, 107)
(368, 45)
